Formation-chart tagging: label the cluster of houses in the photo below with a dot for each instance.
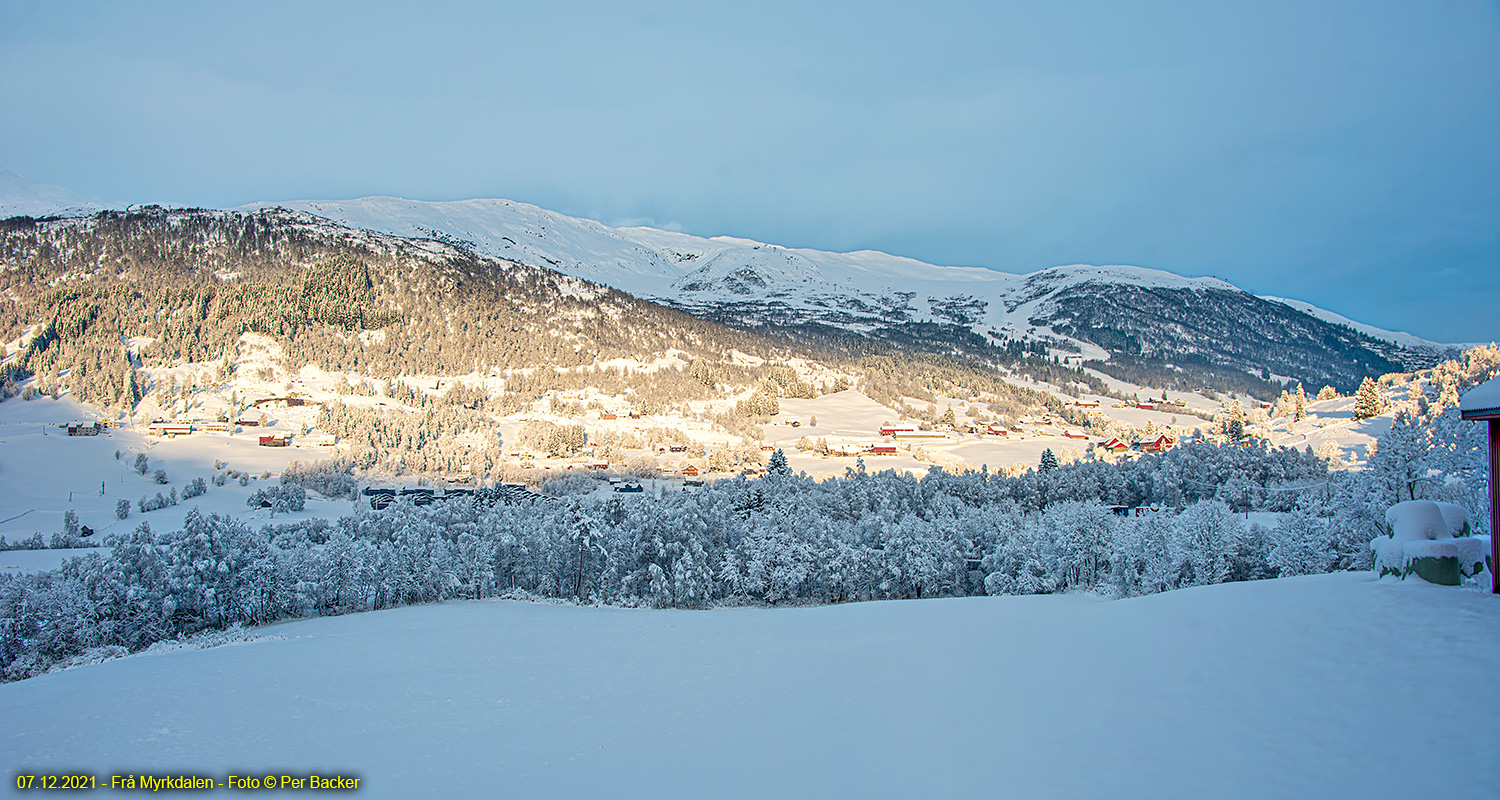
(175, 428)
(1160, 443)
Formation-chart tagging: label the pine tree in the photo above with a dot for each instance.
(1367, 400)
(1049, 461)
(777, 465)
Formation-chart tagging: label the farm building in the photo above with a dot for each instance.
(883, 450)
(1113, 445)
(83, 428)
(1155, 444)
(920, 435)
(892, 430)
(275, 440)
(164, 428)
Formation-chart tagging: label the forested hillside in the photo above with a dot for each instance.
(96, 299)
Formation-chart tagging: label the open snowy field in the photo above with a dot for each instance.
(44, 473)
(1324, 686)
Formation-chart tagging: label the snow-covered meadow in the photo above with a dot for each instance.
(1319, 686)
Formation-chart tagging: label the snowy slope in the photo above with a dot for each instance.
(22, 196)
(1096, 312)
(1401, 338)
(1324, 686)
(685, 270)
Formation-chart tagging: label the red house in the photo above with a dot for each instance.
(892, 430)
(1114, 445)
(883, 450)
(1156, 444)
(1482, 404)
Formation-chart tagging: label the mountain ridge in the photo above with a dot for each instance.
(1076, 312)
(1137, 323)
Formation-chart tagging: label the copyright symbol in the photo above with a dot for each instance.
(270, 782)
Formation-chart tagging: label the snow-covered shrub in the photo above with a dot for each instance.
(70, 523)
(122, 509)
(1419, 539)
(244, 479)
(142, 463)
(160, 476)
(195, 488)
(220, 479)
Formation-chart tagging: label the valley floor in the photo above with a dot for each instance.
(1322, 686)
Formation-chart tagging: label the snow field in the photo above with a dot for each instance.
(1321, 686)
(43, 475)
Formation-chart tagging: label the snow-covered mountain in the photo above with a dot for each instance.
(1119, 313)
(1400, 338)
(21, 196)
(748, 281)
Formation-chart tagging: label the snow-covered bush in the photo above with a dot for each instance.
(1419, 538)
(142, 463)
(195, 488)
(160, 476)
(122, 509)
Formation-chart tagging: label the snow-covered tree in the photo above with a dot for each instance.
(1367, 400)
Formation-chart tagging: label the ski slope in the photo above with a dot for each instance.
(1323, 686)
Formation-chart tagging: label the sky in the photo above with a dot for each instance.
(1342, 153)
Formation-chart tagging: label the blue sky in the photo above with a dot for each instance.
(1341, 153)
